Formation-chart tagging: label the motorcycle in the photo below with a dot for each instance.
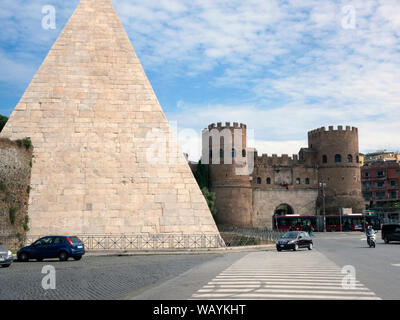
(371, 239)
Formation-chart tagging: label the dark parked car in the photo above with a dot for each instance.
(391, 232)
(293, 240)
(6, 257)
(61, 247)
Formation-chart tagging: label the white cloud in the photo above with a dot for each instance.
(297, 67)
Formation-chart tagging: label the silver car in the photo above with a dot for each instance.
(6, 257)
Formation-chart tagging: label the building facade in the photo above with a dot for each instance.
(381, 183)
(251, 188)
(380, 155)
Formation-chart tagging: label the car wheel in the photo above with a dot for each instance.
(310, 246)
(296, 247)
(5, 265)
(63, 256)
(77, 258)
(386, 240)
(23, 257)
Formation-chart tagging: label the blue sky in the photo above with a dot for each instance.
(283, 67)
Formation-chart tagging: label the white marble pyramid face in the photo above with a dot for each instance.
(89, 111)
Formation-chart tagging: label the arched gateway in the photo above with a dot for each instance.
(283, 210)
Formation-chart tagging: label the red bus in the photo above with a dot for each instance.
(284, 223)
(350, 222)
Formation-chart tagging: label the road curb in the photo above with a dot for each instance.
(96, 253)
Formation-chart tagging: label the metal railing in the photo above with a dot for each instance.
(134, 242)
(234, 236)
(229, 236)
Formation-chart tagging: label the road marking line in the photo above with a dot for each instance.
(280, 277)
(279, 273)
(283, 271)
(280, 296)
(272, 290)
(235, 280)
(306, 265)
(296, 283)
(291, 279)
(396, 264)
(359, 288)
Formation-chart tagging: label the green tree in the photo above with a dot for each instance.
(201, 176)
(210, 198)
(3, 121)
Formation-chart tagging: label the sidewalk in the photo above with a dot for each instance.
(111, 253)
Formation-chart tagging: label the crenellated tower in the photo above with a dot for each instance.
(227, 154)
(337, 158)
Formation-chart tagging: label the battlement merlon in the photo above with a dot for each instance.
(332, 130)
(227, 125)
(283, 160)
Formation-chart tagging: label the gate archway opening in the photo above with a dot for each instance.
(283, 210)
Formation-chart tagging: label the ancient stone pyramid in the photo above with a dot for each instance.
(89, 111)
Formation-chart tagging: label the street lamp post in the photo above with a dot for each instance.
(323, 185)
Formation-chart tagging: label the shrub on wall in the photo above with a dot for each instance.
(13, 214)
(3, 187)
(27, 143)
(26, 222)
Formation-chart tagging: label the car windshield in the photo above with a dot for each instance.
(290, 235)
(2, 248)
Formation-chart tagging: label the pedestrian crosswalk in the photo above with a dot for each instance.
(288, 275)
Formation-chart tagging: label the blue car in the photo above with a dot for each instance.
(61, 247)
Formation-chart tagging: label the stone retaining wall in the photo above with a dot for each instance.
(15, 172)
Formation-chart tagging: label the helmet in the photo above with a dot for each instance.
(369, 227)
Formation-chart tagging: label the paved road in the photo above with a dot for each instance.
(95, 277)
(265, 275)
(259, 274)
(378, 268)
(315, 274)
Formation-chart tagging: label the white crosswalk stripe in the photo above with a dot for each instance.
(279, 276)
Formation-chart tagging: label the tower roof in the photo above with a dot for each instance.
(89, 111)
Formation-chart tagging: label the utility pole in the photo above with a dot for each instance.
(323, 185)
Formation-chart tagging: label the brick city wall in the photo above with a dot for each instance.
(294, 180)
(15, 172)
(266, 202)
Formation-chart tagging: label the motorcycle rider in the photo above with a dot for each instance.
(369, 232)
